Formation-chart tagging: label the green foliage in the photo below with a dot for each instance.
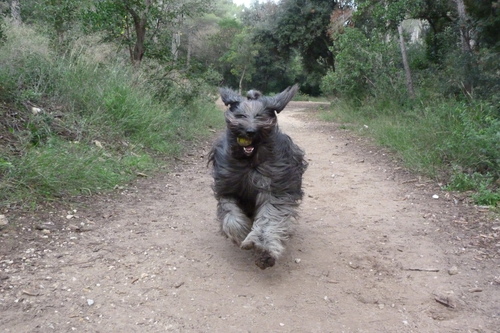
(60, 168)
(483, 185)
(81, 126)
(145, 27)
(486, 19)
(451, 129)
(363, 68)
(284, 33)
(302, 25)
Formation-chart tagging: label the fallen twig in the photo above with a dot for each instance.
(422, 269)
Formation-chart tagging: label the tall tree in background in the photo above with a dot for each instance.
(287, 31)
(241, 56)
(301, 26)
(138, 24)
(465, 41)
(406, 65)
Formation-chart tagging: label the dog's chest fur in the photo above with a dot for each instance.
(275, 169)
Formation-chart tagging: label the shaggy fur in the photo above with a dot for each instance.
(257, 173)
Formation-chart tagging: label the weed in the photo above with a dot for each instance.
(100, 123)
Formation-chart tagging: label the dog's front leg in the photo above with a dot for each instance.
(271, 228)
(234, 223)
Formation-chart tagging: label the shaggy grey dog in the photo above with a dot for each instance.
(257, 173)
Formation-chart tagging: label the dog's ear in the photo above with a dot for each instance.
(278, 102)
(230, 97)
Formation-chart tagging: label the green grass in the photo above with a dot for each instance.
(101, 123)
(454, 142)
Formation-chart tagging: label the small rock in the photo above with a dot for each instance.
(453, 270)
(3, 221)
(297, 260)
(353, 265)
(90, 302)
(475, 290)
(446, 298)
(435, 196)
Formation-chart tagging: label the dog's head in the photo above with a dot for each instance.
(252, 120)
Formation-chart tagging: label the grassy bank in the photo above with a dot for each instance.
(457, 143)
(79, 123)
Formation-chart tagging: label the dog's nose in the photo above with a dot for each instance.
(251, 131)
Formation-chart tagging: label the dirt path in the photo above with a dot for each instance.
(374, 252)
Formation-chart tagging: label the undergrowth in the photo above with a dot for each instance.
(71, 124)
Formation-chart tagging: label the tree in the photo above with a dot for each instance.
(409, 80)
(485, 20)
(60, 16)
(140, 24)
(291, 30)
(241, 57)
(302, 25)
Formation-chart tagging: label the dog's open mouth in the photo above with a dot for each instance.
(246, 144)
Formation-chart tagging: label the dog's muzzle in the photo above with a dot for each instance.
(246, 144)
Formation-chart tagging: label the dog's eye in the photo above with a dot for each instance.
(260, 117)
(239, 115)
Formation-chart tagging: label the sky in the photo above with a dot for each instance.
(243, 2)
(247, 3)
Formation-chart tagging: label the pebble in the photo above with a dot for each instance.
(3, 221)
(453, 270)
(90, 302)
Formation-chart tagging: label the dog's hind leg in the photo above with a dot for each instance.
(271, 228)
(234, 223)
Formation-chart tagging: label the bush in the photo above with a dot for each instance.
(363, 69)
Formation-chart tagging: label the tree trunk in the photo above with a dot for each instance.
(241, 79)
(188, 56)
(464, 32)
(15, 11)
(140, 25)
(466, 47)
(176, 43)
(409, 80)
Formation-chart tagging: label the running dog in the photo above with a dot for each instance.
(257, 171)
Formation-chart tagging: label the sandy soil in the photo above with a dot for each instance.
(373, 252)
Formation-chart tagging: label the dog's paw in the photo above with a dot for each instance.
(247, 245)
(265, 260)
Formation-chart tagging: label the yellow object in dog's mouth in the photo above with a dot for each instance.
(244, 141)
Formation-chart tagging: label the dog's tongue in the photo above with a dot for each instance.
(248, 150)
